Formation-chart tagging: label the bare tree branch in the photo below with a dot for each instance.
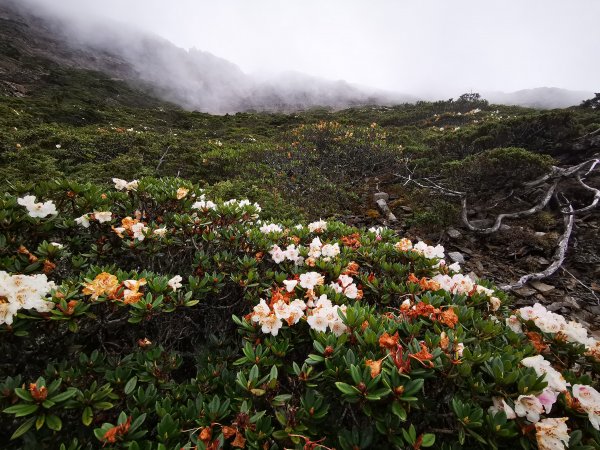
(516, 215)
(558, 258)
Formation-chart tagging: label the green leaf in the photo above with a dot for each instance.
(39, 423)
(21, 410)
(130, 386)
(24, 394)
(87, 416)
(345, 388)
(24, 428)
(64, 395)
(428, 440)
(53, 422)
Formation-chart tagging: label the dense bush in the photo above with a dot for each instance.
(149, 317)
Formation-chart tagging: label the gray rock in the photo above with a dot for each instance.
(454, 233)
(571, 302)
(381, 196)
(539, 234)
(525, 291)
(541, 287)
(473, 276)
(457, 257)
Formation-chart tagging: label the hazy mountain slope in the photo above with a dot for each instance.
(193, 79)
(543, 97)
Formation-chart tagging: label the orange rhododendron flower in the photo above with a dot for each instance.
(104, 283)
(206, 434)
(239, 441)
(115, 432)
(352, 240)
(228, 431)
(389, 342)
(449, 317)
(375, 366)
(537, 341)
(351, 269)
(38, 394)
(423, 356)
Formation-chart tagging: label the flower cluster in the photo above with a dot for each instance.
(23, 292)
(41, 209)
(100, 216)
(133, 228)
(121, 185)
(320, 314)
(291, 253)
(317, 227)
(270, 228)
(549, 322)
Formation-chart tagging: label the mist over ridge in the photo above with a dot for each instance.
(197, 79)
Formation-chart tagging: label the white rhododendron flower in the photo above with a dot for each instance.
(57, 245)
(83, 221)
(309, 280)
(41, 209)
(271, 228)
(330, 250)
(555, 380)
(175, 282)
(552, 434)
(139, 230)
(317, 227)
(454, 267)
(456, 284)
(103, 216)
(160, 232)
(589, 399)
(550, 322)
(529, 406)
(277, 254)
(204, 204)
(261, 311)
(514, 324)
(429, 251)
(121, 185)
(271, 324)
(501, 405)
(290, 285)
(23, 292)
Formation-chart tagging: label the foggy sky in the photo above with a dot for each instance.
(431, 48)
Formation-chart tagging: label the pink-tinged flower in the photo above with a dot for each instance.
(555, 380)
(290, 285)
(318, 322)
(552, 434)
(337, 327)
(277, 254)
(547, 398)
(514, 324)
(589, 399)
(530, 407)
(103, 216)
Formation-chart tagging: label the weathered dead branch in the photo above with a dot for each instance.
(551, 183)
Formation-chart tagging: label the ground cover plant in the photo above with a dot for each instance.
(152, 314)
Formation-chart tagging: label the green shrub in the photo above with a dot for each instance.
(221, 331)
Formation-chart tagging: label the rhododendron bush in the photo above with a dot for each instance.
(150, 315)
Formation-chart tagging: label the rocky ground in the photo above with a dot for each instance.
(519, 248)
